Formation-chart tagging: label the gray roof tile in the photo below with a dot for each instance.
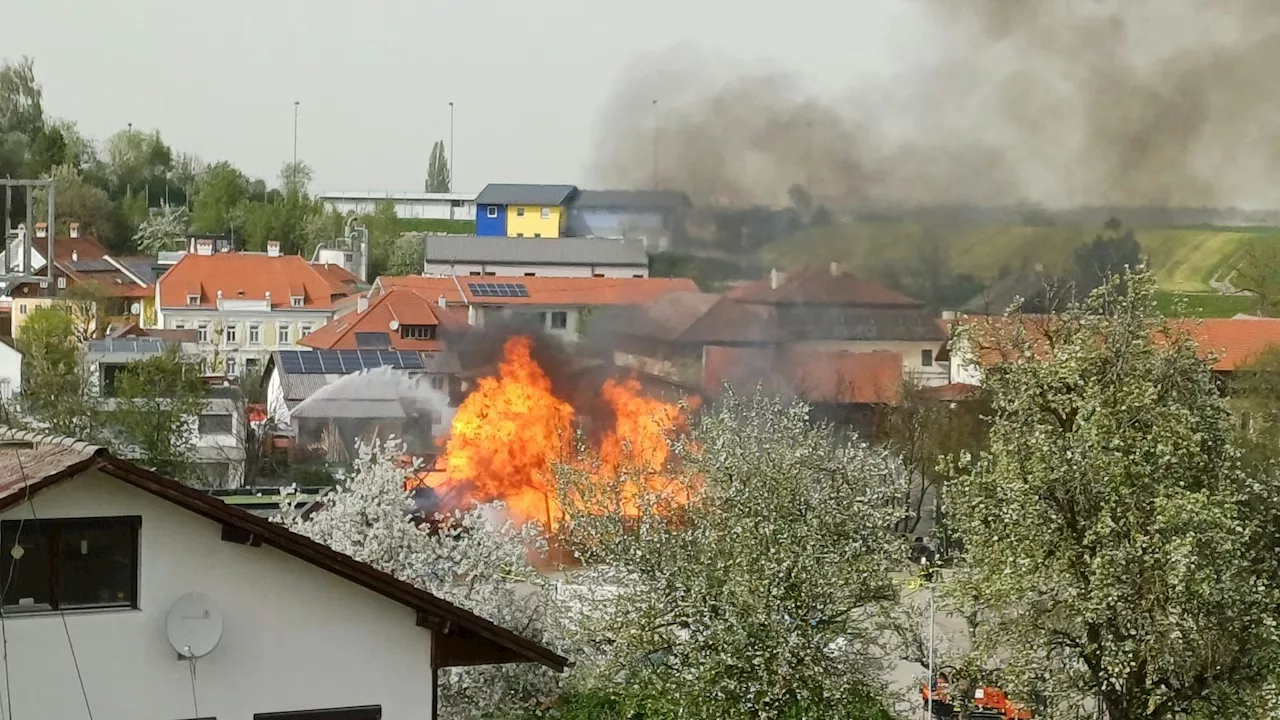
(519, 194)
(631, 199)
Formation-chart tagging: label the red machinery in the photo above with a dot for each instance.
(989, 702)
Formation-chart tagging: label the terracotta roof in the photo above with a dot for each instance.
(339, 278)
(813, 287)
(404, 305)
(250, 276)
(817, 376)
(578, 292)
(461, 636)
(1233, 341)
(84, 248)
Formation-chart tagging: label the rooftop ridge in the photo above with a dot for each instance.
(10, 434)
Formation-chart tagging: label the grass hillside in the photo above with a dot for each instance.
(1184, 260)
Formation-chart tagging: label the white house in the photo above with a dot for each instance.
(10, 370)
(307, 632)
(409, 206)
(468, 256)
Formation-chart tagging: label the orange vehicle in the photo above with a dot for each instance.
(989, 702)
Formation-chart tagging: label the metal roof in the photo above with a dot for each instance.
(631, 199)
(406, 196)
(534, 251)
(132, 346)
(518, 194)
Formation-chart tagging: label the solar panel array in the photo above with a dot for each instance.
(343, 362)
(139, 346)
(498, 290)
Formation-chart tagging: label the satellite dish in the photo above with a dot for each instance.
(135, 309)
(394, 324)
(194, 625)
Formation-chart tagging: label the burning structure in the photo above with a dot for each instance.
(513, 430)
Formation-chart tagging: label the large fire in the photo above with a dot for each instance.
(511, 431)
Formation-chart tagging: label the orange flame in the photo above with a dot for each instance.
(509, 434)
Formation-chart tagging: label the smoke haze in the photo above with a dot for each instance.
(1057, 102)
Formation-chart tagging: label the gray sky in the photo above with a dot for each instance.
(219, 77)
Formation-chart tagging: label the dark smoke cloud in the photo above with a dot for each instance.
(1060, 102)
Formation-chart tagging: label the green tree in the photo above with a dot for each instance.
(56, 390)
(439, 174)
(166, 225)
(295, 177)
(21, 99)
(733, 583)
(1106, 256)
(384, 230)
(1115, 550)
(138, 162)
(154, 413)
(219, 195)
(77, 200)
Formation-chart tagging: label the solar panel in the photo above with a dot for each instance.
(310, 362)
(498, 289)
(290, 362)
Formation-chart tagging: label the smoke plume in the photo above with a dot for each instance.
(1057, 102)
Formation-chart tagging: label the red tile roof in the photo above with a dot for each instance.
(576, 292)
(250, 276)
(818, 376)
(403, 305)
(812, 287)
(84, 248)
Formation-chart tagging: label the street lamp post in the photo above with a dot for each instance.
(294, 168)
(452, 170)
(932, 682)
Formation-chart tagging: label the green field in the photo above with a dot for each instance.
(1184, 260)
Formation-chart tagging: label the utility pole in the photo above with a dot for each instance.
(655, 144)
(451, 168)
(932, 681)
(294, 168)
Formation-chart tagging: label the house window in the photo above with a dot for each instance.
(250, 364)
(926, 358)
(519, 234)
(491, 211)
(531, 274)
(62, 282)
(305, 330)
(202, 332)
(296, 300)
(108, 384)
(231, 366)
(255, 334)
(369, 712)
(475, 273)
(437, 382)
(519, 212)
(537, 235)
(193, 299)
(637, 276)
(559, 320)
(418, 332)
(546, 213)
(598, 275)
(284, 334)
(231, 334)
(490, 274)
(22, 308)
(210, 424)
(67, 564)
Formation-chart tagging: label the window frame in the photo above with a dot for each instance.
(297, 301)
(192, 300)
(562, 316)
(491, 211)
(229, 334)
(284, 334)
(52, 529)
(202, 332)
(520, 211)
(546, 213)
(255, 329)
(231, 426)
(926, 357)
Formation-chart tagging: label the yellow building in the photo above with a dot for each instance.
(84, 314)
(536, 221)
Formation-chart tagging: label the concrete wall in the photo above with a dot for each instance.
(469, 269)
(295, 637)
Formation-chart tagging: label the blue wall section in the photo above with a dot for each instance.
(491, 226)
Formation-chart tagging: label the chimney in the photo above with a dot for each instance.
(75, 229)
(835, 269)
(75, 254)
(773, 278)
(442, 302)
(42, 230)
(362, 303)
(219, 294)
(273, 248)
(268, 298)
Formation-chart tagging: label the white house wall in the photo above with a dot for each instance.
(463, 270)
(10, 371)
(295, 637)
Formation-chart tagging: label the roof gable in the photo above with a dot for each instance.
(37, 462)
(525, 194)
(399, 306)
(251, 276)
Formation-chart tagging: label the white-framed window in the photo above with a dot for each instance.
(492, 211)
(305, 329)
(546, 213)
(519, 212)
(179, 325)
(297, 300)
(202, 332)
(926, 358)
(255, 334)
(437, 382)
(284, 334)
(231, 334)
(559, 320)
(231, 365)
(62, 282)
(193, 299)
(22, 308)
